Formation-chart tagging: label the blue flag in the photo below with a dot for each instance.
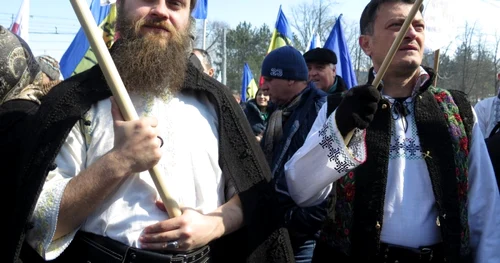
(336, 42)
(80, 45)
(248, 84)
(314, 42)
(200, 10)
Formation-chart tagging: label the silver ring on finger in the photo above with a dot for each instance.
(161, 141)
(172, 245)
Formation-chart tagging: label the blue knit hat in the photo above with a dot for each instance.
(285, 63)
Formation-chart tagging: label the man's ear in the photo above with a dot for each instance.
(365, 44)
(211, 72)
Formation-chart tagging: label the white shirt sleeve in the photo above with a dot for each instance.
(69, 163)
(482, 114)
(323, 159)
(484, 202)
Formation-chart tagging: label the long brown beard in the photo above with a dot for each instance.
(150, 64)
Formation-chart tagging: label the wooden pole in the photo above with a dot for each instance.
(392, 52)
(436, 66)
(117, 87)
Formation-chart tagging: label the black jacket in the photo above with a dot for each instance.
(493, 145)
(41, 132)
(254, 117)
(341, 86)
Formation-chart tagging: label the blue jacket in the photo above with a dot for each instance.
(300, 221)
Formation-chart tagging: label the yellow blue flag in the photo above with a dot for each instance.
(248, 85)
(282, 35)
(79, 56)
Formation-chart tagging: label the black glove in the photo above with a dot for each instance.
(357, 108)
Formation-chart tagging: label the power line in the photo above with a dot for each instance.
(36, 16)
(50, 33)
(49, 41)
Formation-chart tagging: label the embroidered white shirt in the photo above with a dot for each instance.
(409, 211)
(488, 114)
(189, 128)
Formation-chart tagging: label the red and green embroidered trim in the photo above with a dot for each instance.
(461, 148)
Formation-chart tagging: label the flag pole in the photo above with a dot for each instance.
(224, 57)
(204, 33)
(392, 52)
(120, 94)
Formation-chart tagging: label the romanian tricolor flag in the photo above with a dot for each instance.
(79, 57)
(248, 85)
(282, 35)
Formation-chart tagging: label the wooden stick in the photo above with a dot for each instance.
(392, 52)
(436, 66)
(117, 87)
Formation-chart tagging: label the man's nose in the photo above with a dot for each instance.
(412, 33)
(160, 9)
(313, 72)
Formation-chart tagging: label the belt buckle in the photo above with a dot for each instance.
(192, 257)
(180, 258)
(426, 252)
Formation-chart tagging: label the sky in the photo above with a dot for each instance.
(53, 23)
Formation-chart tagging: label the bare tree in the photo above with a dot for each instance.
(360, 61)
(472, 66)
(311, 17)
(465, 60)
(496, 60)
(214, 38)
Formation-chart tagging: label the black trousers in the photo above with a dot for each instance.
(90, 248)
(323, 253)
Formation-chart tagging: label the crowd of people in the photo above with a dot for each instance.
(309, 170)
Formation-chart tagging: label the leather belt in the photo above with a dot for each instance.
(87, 247)
(399, 254)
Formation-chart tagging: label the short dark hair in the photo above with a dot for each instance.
(370, 14)
(207, 60)
(193, 4)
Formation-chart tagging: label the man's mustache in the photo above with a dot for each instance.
(156, 23)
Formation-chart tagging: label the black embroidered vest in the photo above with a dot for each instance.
(355, 227)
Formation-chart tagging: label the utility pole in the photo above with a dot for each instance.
(224, 57)
(319, 17)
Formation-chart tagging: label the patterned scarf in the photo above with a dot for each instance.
(274, 130)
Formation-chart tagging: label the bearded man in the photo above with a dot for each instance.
(98, 202)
